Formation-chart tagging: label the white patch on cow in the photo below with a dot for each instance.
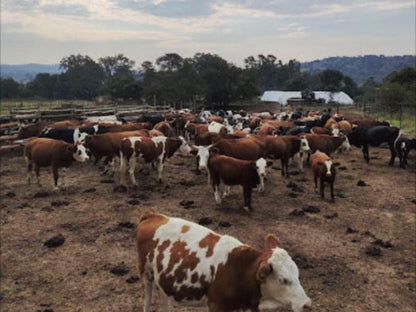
(227, 191)
(215, 127)
(304, 145)
(217, 194)
(328, 164)
(157, 140)
(261, 165)
(81, 137)
(95, 129)
(75, 135)
(345, 146)
(335, 131)
(172, 231)
(80, 153)
(282, 286)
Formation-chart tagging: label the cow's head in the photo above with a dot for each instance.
(79, 152)
(279, 277)
(345, 146)
(184, 148)
(202, 154)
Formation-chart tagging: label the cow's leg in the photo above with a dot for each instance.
(405, 154)
(132, 167)
(332, 191)
(106, 166)
(260, 187)
(165, 303)
(160, 170)
(247, 197)
(300, 161)
(322, 187)
(217, 194)
(37, 169)
(63, 175)
(29, 170)
(315, 179)
(366, 154)
(123, 169)
(227, 191)
(55, 176)
(283, 167)
(393, 153)
(147, 294)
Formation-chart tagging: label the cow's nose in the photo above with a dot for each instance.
(308, 305)
(202, 167)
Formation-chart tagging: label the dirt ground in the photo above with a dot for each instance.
(357, 254)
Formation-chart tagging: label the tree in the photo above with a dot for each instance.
(170, 62)
(9, 88)
(82, 77)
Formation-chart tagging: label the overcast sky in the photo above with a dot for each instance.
(45, 31)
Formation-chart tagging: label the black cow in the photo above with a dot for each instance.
(363, 137)
(153, 119)
(71, 135)
(403, 146)
(298, 130)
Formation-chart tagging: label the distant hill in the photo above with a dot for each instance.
(27, 72)
(360, 68)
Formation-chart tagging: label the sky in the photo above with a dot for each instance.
(45, 31)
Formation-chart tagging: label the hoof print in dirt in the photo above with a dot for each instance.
(342, 168)
(120, 269)
(187, 183)
(186, 203)
(372, 251)
(22, 205)
(10, 194)
(413, 201)
(59, 203)
(205, 221)
(224, 224)
(361, 183)
(350, 230)
(293, 195)
(45, 310)
(311, 209)
(90, 190)
(107, 181)
(120, 189)
(331, 216)
(127, 225)
(297, 213)
(47, 209)
(294, 187)
(55, 241)
(41, 195)
(380, 242)
(132, 280)
(133, 202)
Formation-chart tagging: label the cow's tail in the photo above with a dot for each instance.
(397, 138)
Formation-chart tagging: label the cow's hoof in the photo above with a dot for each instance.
(246, 209)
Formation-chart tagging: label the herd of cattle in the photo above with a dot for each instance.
(189, 263)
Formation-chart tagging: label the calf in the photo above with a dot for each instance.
(363, 137)
(155, 149)
(71, 135)
(43, 152)
(194, 266)
(323, 169)
(31, 130)
(233, 171)
(403, 146)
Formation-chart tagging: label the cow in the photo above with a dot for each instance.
(327, 144)
(43, 152)
(365, 137)
(245, 149)
(152, 119)
(217, 127)
(403, 146)
(31, 130)
(267, 129)
(193, 129)
(108, 145)
(324, 169)
(65, 124)
(155, 149)
(165, 128)
(368, 123)
(233, 171)
(283, 148)
(193, 266)
(130, 126)
(71, 135)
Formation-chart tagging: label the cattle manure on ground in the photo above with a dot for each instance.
(55, 241)
(361, 183)
(120, 269)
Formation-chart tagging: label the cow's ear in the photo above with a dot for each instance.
(269, 163)
(194, 151)
(271, 241)
(214, 151)
(263, 271)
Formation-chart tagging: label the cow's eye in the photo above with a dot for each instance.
(285, 281)
(79, 152)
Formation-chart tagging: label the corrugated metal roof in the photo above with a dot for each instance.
(282, 96)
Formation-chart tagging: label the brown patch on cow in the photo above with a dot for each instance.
(185, 228)
(161, 249)
(148, 224)
(209, 242)
(194, 278)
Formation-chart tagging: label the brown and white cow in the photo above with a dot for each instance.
(233, 171)
(165, 128)
(324, 169)
(43, 152)
(194, 266)
(155, 149)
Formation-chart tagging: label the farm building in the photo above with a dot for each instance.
(282, 97)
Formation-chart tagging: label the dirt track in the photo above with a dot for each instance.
(357, 254)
